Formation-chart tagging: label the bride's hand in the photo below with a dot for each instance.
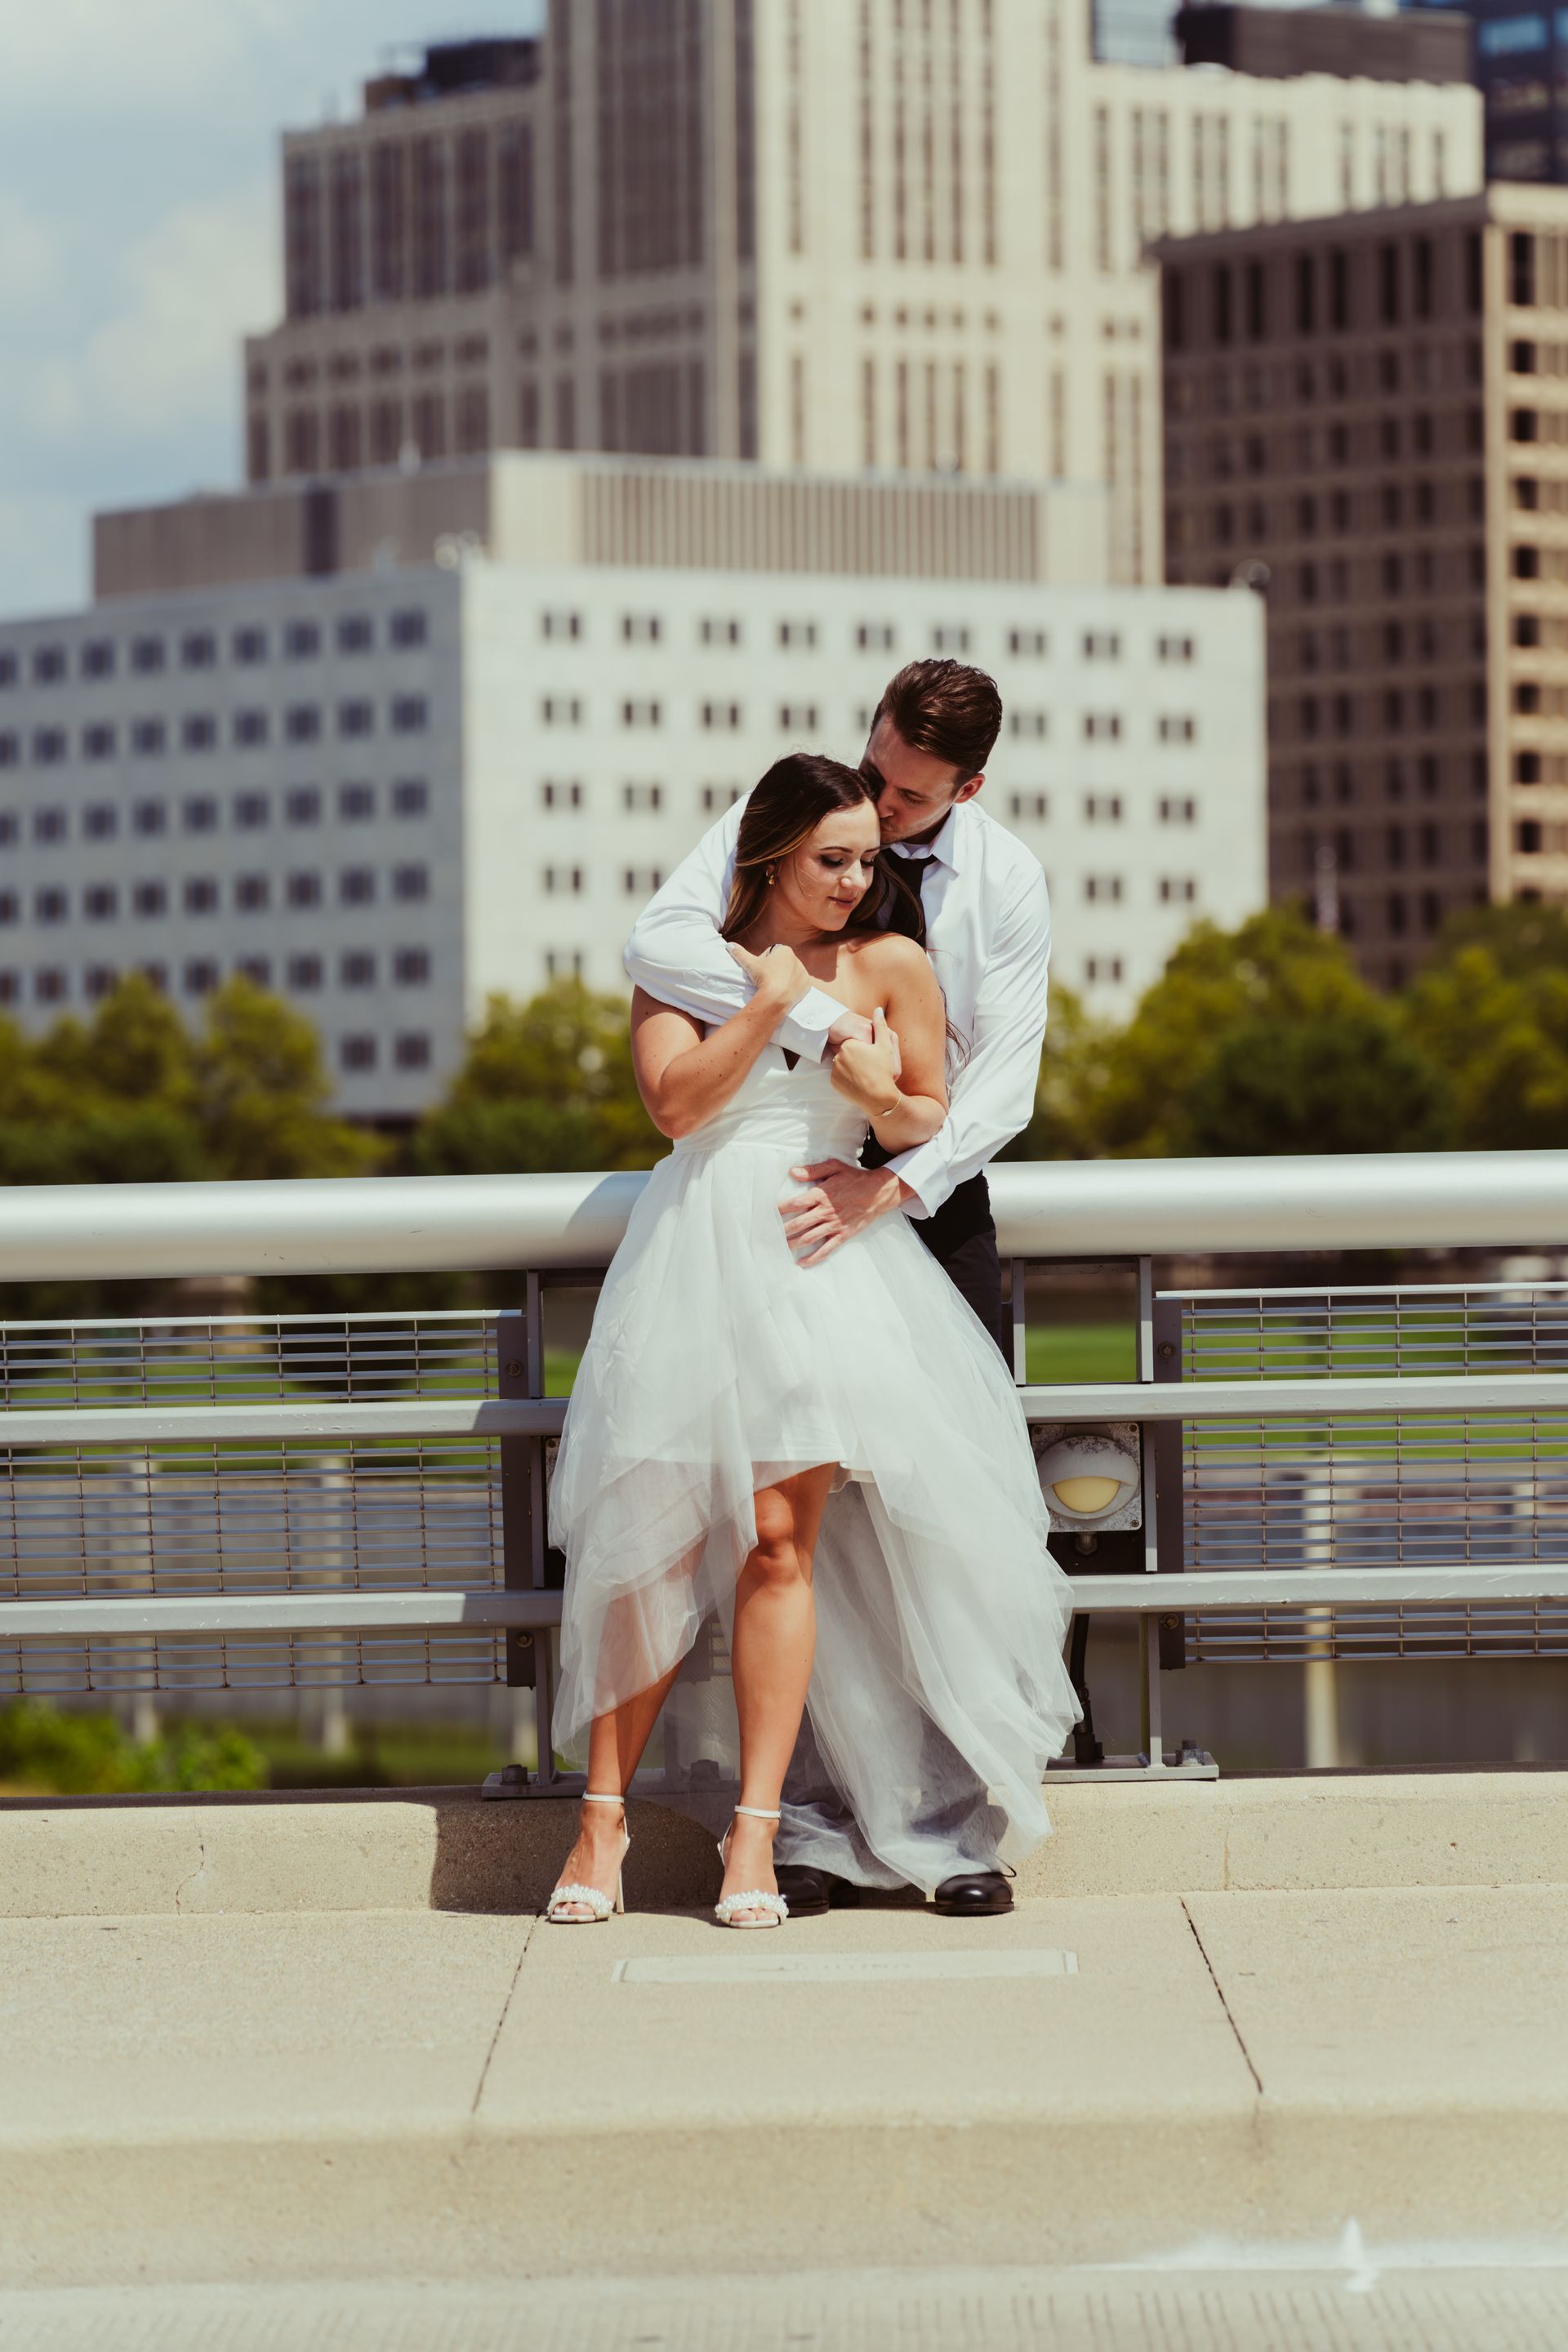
(868, 1073)
(778, 975)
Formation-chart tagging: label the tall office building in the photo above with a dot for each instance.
(833, 235)
(1371, 415)
(1520, 65)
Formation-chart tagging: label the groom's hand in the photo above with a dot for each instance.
(842, 1201)
(854, 1029)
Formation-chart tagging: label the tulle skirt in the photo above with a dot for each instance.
(716, 1366)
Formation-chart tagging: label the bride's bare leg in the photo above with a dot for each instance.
(771, 1652)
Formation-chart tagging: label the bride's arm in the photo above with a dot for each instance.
(897, 1079)
(683, 1077)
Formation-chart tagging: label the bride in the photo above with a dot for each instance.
(832, 1460)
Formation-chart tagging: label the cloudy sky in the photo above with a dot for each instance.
(139, 239)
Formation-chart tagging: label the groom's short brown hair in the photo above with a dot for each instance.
(947, 708)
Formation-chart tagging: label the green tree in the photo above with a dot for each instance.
(261, 1093)
(1069, 1094)
(1497, 1023)
(547, 1084)
(1350, 1083)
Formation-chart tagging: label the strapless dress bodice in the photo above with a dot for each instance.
(796, 1112)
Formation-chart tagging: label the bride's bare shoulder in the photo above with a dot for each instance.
(888, 957)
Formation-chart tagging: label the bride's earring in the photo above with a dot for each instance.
(773, 875)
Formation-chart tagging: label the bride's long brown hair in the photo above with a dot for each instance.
(781, 814)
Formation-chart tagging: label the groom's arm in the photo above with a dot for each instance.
(676, 954)
(993, 1094)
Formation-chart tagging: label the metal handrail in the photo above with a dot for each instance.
(1066, 1208)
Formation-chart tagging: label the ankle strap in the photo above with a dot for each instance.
(759, 1812)
(590, 1797)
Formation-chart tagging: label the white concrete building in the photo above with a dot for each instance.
(837, 235)
(387, 793)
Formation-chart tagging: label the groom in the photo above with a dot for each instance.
(987, 930)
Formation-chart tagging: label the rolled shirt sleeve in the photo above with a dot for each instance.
(993, 1094)
(676, 954)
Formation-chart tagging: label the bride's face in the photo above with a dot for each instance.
(834, 867)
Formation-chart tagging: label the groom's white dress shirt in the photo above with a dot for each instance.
(988, 933)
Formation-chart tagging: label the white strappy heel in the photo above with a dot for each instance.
(725, 1911)
(589, 1899)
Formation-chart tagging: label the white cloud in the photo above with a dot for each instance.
(167, 352)
(90, 55)
(30, 253)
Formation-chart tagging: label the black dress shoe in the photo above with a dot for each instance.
(977, 1895)
(809, 1893)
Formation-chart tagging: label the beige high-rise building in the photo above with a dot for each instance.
(835, 235)
(1375, 409)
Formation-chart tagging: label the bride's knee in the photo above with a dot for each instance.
(776, 1559)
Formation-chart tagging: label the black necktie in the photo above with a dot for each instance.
(905, 910)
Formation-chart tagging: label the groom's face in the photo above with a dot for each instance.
(914, 792)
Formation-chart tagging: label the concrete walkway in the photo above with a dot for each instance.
(423, 2094)
(1334, 2308)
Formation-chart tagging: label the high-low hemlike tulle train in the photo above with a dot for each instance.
(717, 1365)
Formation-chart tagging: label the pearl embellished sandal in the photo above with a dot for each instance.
(727, 1912)
(570, 1902)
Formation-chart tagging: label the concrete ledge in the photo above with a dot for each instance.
(443, 1850)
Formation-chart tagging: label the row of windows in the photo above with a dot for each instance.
(100, 657)
(203, 894)
(199, 730)
(805, 719)
(1111, 890)
(1103, 808)
(1347, 286)
(1220, 391)
(1306, 446)
(1428, 770)
(198, 976)
(249, 812)
(1394, 710)
(1393, 844)
(869, 637)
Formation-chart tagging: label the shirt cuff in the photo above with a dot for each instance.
(924, 1170)
(805, 1027)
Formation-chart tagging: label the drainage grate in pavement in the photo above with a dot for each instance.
(996, 2311)
(844, 1968)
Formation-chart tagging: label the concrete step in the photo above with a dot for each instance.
(443, 1850)
(1092, 2080)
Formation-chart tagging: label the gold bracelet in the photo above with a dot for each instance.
(893, 1106)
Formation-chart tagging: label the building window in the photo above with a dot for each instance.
(1035, 806)
(1101, 645)
(149, 738)
(301, 641)
(199, 895)
(949, 640)
(356, 719)
(798, 718)
(410, 798)
(410, 715)
(50, 986)
(560, 795)
(1102, 968)
(10, 750)
(411, 1050)
(719, 797)
(250, 728)
(150, 900)
(1034, 725)
(1103, 808)
(798, 637)
(97, 658)
(723, 716)
(199, 650)
(303, 888)
(411, 967)
(559, 626)
(356, 970)
(1102, 726)
(1178, 890)
(149, 817)
(100, 903)
(356, 886)
(305, 973)
(642, 796)
(563, 710)
(250, 646)
(99, 823)
(719, 633)
(49, 824)
(357, 1052)
(1185, 811)
(100, 980)
(146, 655)
(642, 714)
(198, 732)
(1027, 644)
(407, 629)
(199, 815)
(356, 634)
(356, 802)
(303, 805)
(252, 893)
(1179, 728)
(252, 811)
(563, 880)
(49, 905)
(302, 724)
(642, 881)
(256, 970)
(98, 742)
(641, 628)
(410, 883)
(1102, 889)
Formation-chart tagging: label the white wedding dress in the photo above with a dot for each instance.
(718, 1365)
